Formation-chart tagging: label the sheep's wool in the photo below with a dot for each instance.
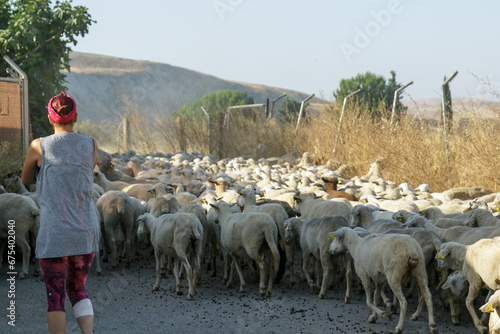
(68, 218)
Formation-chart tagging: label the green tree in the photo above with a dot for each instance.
(289, 110)
(376, 95)
(215, 103)
(37, 36)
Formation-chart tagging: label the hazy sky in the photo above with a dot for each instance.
(308, 46)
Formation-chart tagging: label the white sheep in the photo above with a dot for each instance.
(102, 181)
(492, 307)
(362, 216)
(481, 218)
(247, 201)
(177, 235)
(461, 234)
(20, 215)
(386, 259)
(308, 206)
(455, 288)
(480, 263)
(314, 241)
(250, 234)
(116, 217)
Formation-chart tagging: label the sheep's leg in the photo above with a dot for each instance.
(112, 248)
(420, 306)
(236, 263)
(189, 273)
(395, 285)
(261, 262)
(271, 272)
(469, 302)
(348, 277)
(33, 236)
(98, 263)
(289, 265)
(392, 307)
(176, 270)
(128, 241)
(369, 291)
(156, 287)
(26, 251)
(305, 262)
(318, 271)
(454, 307)
(326, 263)
(424, 290)
(226, 266)
(229, 282)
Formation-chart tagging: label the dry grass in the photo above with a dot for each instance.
(413, 150)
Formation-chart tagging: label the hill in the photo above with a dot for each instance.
(103, 85)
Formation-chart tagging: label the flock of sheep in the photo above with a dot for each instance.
(280, 217)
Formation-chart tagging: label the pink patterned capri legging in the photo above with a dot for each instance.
(65, 273)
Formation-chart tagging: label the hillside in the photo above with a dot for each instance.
(102, 85)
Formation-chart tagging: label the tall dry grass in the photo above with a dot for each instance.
(413, 149)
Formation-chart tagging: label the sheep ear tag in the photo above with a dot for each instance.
(331, 235)
(490, 309)
(440, 257)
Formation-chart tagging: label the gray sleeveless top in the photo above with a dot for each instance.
(68, 216)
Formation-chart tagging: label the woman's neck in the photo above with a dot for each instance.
(63, 129)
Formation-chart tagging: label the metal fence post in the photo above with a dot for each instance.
(341, 118)
(445, 129)
(301, 111)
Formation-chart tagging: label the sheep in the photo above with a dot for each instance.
(373, 172)
(249, 234)
(461, 234)
(492, 306)
(455, 288)
(481, 267)
(479, 264)
(330, 187)
(428, 240)
(14, 185)
(116, 216)
(102, 181)
(146, 191)
(178, 235)
(248, 202)
(19, 214)
(386, 259)
(361, 216)
(309, 207)
(481, 218)
(314, 241)
(214, 237)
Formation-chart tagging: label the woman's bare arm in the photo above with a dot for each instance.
(32, 162)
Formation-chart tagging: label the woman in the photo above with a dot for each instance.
(62, 167)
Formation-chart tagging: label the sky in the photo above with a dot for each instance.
(309, 46)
